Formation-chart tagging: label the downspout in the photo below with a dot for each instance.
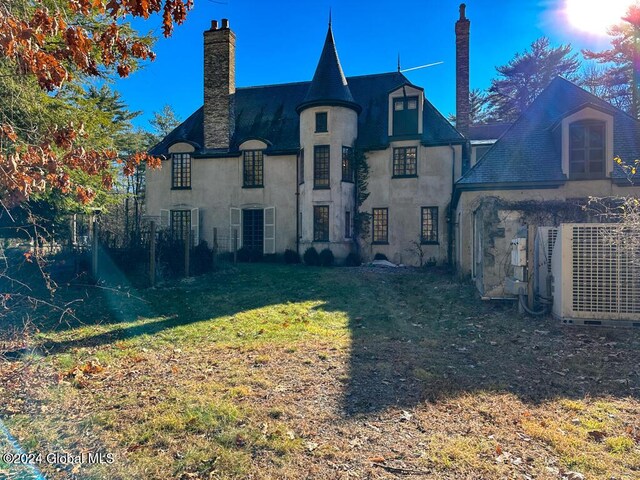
(451, 213)
(298, 203)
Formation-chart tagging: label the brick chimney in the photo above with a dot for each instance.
(462, 72)
(219, 85)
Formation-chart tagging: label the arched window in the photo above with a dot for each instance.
(587, 149)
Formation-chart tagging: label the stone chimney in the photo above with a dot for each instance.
(219, 85)
(462, 72)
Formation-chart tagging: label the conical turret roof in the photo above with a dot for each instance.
(329, 85)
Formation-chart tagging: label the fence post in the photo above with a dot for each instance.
(152, 254)
(187, 248)
(94, 248)
(235, 246)
(215, 248)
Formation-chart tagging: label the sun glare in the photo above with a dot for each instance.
(595, 16)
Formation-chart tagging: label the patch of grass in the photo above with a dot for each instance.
(460, 453)
(619, 444)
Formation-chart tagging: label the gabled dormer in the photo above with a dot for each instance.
(406, 104)
(586, 141)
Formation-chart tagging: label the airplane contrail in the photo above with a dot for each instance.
(421, 66)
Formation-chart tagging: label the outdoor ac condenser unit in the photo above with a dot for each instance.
(543, 253)
(594, 282)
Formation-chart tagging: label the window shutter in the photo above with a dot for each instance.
(235, 219)
(269, 230)
(195, 226)
(165, 218)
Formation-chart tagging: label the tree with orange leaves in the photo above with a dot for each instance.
(50, 44)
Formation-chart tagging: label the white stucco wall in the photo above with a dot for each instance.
(216, 186)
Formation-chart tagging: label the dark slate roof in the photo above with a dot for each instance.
(491, 131)
(269, 113)
(529, 151)
(329, 85)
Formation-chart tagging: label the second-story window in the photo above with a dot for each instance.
(253, 168)
(347, 164)
(587, 149)
(180, 170)
(322, 125)
(321, 166)
(405, 161)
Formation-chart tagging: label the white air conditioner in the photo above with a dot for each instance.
(594, 282)
(542, 254)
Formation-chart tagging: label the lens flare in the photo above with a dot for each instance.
(595, 16)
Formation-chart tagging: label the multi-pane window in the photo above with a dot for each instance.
(347, 224)
(405, 161)
(180, 170)
(301, 167)
(321, 166)
(429, 225)
(347, 164)
(320, 223)
(180, 224)
(321, 122)
(380, 225)
(253, 168)
(587, 149)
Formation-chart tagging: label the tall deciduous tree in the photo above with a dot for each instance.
(526, 75)
(47, 45)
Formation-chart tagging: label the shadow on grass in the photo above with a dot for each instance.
(415, 336)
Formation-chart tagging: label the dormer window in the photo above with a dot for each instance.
(587, 142)
(405, 115)
(322, 125)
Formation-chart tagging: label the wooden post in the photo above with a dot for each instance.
(235, 246)
(152, 254)
(531, 268)
(94, 248)
(187, 251)
(215, 248)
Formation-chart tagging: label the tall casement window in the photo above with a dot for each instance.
(321, 223)
(429, 225)
(321, 166)
(405, 162)
(405, 116)
(180, 170)
(253, 168)
(180, 223)
(322, 125)
(301, 167)
(347, 224)
(380, 225)
(347, 164)
(587, 149)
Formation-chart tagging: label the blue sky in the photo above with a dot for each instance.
(280, 41)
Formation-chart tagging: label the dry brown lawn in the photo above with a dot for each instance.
(277, 372)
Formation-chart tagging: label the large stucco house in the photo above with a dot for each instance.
(273, 164)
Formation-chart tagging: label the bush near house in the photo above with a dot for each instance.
(311, 257)
(326, 258)
(291, 257)
(353, 260)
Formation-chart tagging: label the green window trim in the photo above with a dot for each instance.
(321, 167)
(380, 226)
(180, 171)
(253, 169)
(405, 162)
(429, 226)
(320, 223)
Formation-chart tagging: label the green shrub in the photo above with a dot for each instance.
(326, 258)
(311, 257)
(353, 260)
(248, 255)
(291, 256)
